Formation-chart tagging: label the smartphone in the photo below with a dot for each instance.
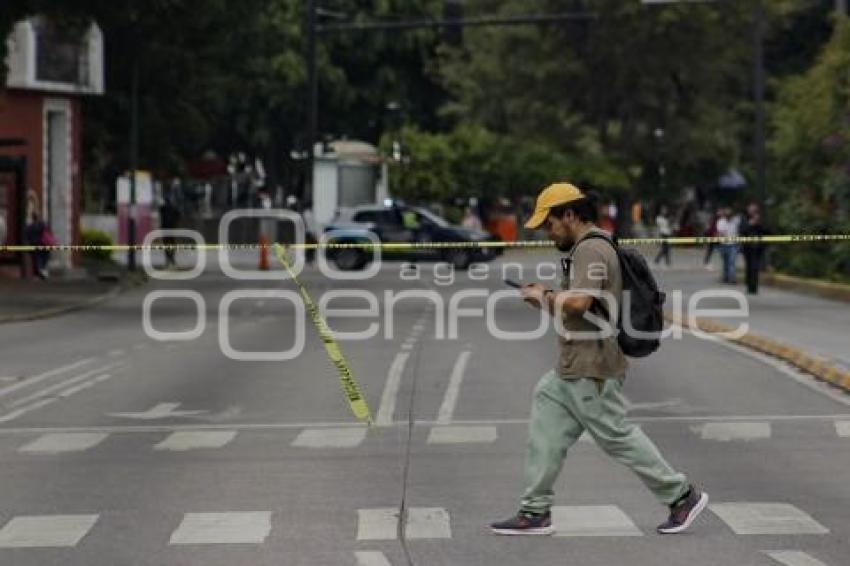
(512, 283)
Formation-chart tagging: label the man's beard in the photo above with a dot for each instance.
(565, 244)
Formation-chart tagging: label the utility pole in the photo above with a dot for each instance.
(312, 93)
(134, 158)
(758, 88)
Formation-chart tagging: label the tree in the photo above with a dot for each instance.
(811, 147)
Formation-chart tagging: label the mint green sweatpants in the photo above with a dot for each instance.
(562, 410)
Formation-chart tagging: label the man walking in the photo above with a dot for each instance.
(582, 393)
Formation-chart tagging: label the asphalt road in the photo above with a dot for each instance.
(121, 449)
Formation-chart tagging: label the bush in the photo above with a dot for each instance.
(96, 238)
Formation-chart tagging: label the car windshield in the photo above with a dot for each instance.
(433, 218)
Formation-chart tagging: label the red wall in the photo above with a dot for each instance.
(22, 116)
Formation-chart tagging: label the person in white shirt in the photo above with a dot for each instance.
(471, 221)
(662, 225)
(727, 227)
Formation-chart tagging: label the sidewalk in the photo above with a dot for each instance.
(32, 299)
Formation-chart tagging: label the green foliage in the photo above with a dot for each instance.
(811, 146)
(96, 238)
(473, 161)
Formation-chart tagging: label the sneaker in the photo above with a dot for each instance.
(525, 524)
(684, 511)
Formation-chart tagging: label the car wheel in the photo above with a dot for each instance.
(460, 259)
(349, 260)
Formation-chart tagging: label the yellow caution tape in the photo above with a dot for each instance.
(523, 244)
(346, 378)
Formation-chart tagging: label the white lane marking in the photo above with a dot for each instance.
(371, 558)
(64, 442)
(223, 528)
(116, 353)
(422, 523)
(767, 519)
(194, 440)
(85, 385)
(407, 347)
(783, 367)
(330, 437)
(46, 531)
(793, 558)
(24, 410)
(56, 387)
(726, 432)
(842, 428)
(160, 411)
(426, 423)
(592, 521)
(388, 398)
(447, 408)
(9, 378)
(428, 523)
(445, 434)
(41, 377)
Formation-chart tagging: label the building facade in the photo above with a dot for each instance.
(49, 70)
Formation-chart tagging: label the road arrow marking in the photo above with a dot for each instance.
(161, 411)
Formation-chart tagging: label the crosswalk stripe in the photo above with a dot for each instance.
(726, 431)
(447, 434)
(194, 440)
(371, 558)
(330, 437)
(223, 528)
(593, 521)
(767, 519)
(794, 558)
(842, 428)
(64, 442)
(422, 523)
(36, 531)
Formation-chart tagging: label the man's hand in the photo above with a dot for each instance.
(533, 294)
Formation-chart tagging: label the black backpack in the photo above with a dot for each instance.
(646, 314)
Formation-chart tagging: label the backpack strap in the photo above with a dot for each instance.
(597, 235)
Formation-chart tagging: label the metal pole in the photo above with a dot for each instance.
(134, 157)
(759, 82)
(312, 95)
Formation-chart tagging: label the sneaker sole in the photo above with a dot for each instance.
(539, 531)
(698, 508)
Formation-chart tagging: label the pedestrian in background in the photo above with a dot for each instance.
(471, 221)
(37, 233)
(662, 226)
(753, 251)
(710, 232)
(583, 392)
(727, 227)
(169, 219)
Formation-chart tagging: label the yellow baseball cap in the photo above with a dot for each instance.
(550, 197)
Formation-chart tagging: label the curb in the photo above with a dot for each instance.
(804, 361)
(816, 287)
(57, 311)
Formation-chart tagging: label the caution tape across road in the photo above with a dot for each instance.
(346, 378)
(398, 246)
